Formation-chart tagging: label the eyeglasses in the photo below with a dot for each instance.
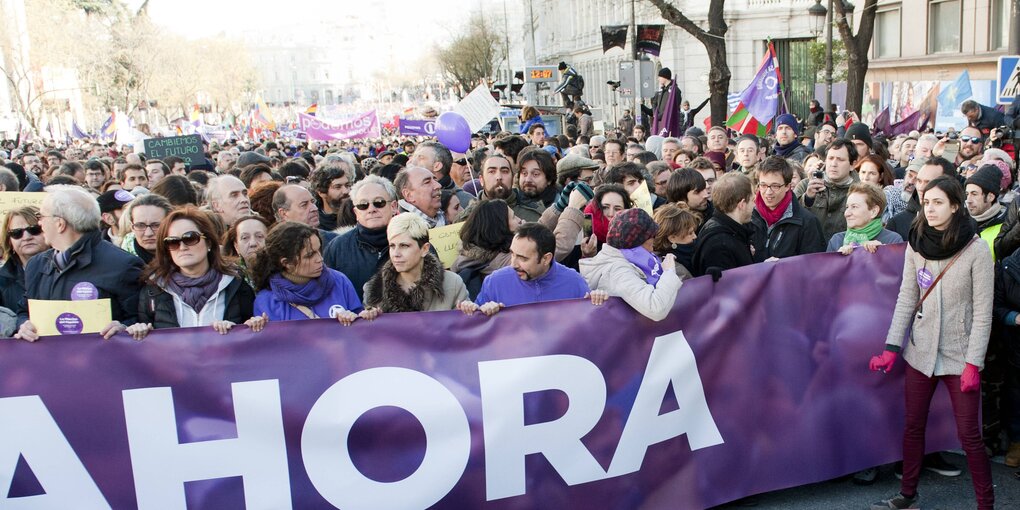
(188, 238)
(377, 203)
(17, 233)
(142, 227)
(970, 139)
(773, 187)
(291, 179)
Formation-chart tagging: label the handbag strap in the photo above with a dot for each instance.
(305, 310)
(941, 273)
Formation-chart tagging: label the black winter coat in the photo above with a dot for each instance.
(113, 271)
(156, 305)
(1008, 239)
(722, 243)
(12, 283)
(352, 255)
(1007, 300)
(796, 235)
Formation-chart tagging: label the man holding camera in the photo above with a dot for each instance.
(981, 117)
(825, 193)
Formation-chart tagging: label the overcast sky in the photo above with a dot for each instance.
(429, 21)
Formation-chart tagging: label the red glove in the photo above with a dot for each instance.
(883, 362)
(971, 378)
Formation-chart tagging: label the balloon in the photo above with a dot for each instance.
(452, 131)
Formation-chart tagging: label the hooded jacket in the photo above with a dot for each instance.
(437, 289)
(722, 243)
(612, 272)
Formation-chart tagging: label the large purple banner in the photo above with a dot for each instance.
(362, 125)
(754, 383)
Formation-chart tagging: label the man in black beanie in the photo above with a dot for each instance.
(860, 135)
(572, 86)
(661, 96)
(983, 190)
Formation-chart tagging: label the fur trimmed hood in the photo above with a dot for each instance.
(384, 290)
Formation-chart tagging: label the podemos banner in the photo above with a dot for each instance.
(754, 383)
(362, 125)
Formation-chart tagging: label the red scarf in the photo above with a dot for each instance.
(771, 216)
(599, 222)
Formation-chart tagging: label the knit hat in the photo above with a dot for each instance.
(114, 199)
(1007, 177)
(859, 131)
(665, 73)
(575, 162)
(630, 229)
(717, 157)
(787, 119)
(694, 131)
(988, 178)
(993, 153)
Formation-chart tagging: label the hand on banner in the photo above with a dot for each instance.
(846, 250)
(491, 308)
(112, 329)
(222, 327)
(370, 314)
(257, 323)
(871, 246)
(468, 307)
(971, 378)
(346, 317)
(138, 331)
(883, 362)
(598, 297)
(27, 332)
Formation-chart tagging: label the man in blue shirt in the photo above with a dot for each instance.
(532, 277)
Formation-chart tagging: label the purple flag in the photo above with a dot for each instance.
(410, 127)
(761, 97)
(669, 123)
(753, 383)
(362, 125)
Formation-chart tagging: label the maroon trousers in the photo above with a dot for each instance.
(966, 408)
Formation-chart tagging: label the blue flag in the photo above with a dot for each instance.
(76, 132)
(955, 93)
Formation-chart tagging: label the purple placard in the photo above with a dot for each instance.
(769, 360)
(410, 127)
(362, 125)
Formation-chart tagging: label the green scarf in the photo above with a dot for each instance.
(863, 235)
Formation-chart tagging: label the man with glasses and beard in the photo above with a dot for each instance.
(361, 251)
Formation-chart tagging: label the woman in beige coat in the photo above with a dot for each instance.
(413, 280)
(941, 325)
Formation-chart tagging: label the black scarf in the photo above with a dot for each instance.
(142, 253)
(786, 150)
(927, 241)
(376, 238)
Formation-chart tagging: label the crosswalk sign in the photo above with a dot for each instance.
(1007, 86)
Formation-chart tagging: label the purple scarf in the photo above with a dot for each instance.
(308, 294)
(195, 292)
(646, 261)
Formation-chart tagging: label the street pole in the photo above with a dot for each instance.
(1014, 29)
(828, 58)
(637, 64)
(534, 51)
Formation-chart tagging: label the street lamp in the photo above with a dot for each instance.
(817, 12)
(820, 13)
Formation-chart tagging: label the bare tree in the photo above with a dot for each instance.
(473, 56)
(857, 47)
(715, 44)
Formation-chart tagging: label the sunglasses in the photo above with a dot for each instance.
(16, 233)
(461, 161)
(970, 139)
(188, 239)
(377, 203)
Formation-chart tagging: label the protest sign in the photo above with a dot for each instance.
(362, 125)
(187, 147)
(10, 200)
(478, 108)
(69, 317)
(446, 241)
(753, 383)
(410, 127)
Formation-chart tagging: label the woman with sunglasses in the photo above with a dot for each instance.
(22, 239)
(189, 284)
(145, 214)
(294, 284)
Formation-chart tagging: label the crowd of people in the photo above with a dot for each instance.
(294, 230)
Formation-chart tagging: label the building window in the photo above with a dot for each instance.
(887, 34)
(999, 18)
(944, 26)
